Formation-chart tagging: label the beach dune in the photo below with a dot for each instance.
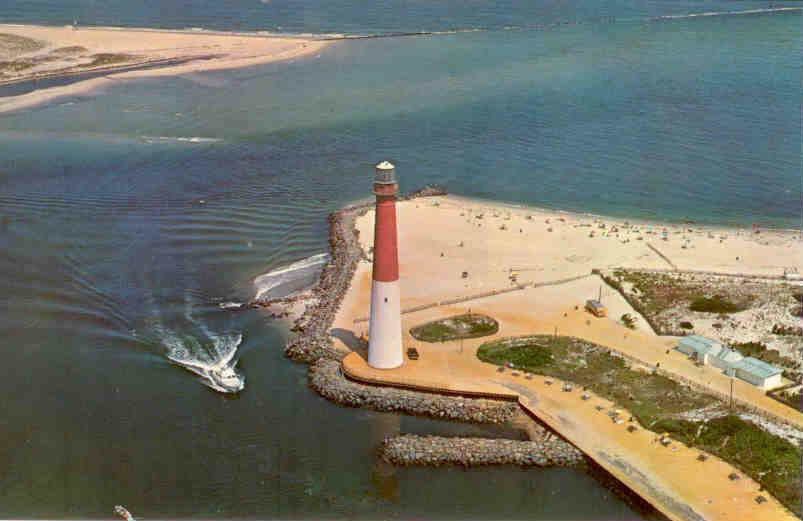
(30, 52)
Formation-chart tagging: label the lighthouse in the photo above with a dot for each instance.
(384, 334)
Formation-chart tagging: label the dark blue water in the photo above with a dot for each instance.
(353, 16)
(128, 215)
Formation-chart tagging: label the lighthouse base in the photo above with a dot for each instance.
(384, 334)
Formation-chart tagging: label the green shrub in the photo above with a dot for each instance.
(529, 356)
(686, 325)
(760, 351)
(629, 321)
(454, 328)
(715, 304)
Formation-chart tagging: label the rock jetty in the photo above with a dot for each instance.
(313, 341)
(410, 449)
(327, 379)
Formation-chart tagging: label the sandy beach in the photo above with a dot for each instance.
(441, 237)
(458, 254)
(37, 52)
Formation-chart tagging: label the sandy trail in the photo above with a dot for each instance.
(441, 237)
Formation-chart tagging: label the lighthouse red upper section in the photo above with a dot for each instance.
(386, 253)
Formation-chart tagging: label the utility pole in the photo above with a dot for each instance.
(600, 295)
(731, 389)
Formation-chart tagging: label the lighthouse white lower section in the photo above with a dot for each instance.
(384, 333)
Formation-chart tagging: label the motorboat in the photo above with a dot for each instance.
(220, 376)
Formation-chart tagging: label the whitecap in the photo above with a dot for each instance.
(295, 271)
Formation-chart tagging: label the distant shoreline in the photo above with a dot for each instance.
(663, 221)
(111, 54)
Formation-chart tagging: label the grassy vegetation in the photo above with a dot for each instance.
(70, 49)
(471, 325)
(655, 401)
(16, 65)
(12, 45)
(715, 304)
(661, 298)
(760, 351)
(771, 461)
(790, 399)
(648, 396)
(629, 321)
(658, 291)
(104, 59)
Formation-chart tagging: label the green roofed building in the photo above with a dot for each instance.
(759, 373)
(711, 352)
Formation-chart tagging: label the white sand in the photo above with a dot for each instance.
(145, 46)
(431, 226)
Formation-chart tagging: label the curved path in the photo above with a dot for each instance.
(670, 478)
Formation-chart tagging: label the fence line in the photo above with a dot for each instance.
(705, 272)
(490, 293)
(664, 257)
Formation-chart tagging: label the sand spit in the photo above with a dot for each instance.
(38, 53)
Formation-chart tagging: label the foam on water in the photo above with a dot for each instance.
(191, 139)
(215, 363)
(292, 272)
(231, 305)
(196, 348)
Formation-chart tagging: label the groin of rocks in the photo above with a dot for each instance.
(313, 344)
(328, 380)
(410, 449)
(313, 341)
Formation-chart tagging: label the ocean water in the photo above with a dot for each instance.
(354, 16)
(128, 215)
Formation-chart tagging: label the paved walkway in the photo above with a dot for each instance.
(670, 478)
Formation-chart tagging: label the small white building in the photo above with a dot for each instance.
(699, 347)
(759, 373)
(711, 352)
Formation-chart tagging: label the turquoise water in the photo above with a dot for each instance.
(128, 215)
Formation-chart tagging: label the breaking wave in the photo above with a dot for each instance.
(166, 139)
(231, 305)
(292, 277)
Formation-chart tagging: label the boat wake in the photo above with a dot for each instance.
(287, 279)
(217, 370)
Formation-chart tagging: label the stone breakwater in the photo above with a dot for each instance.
(410, 449)
(328, 380)
(313, 344)
(313, 341)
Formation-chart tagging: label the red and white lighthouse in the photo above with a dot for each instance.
(384, 342)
